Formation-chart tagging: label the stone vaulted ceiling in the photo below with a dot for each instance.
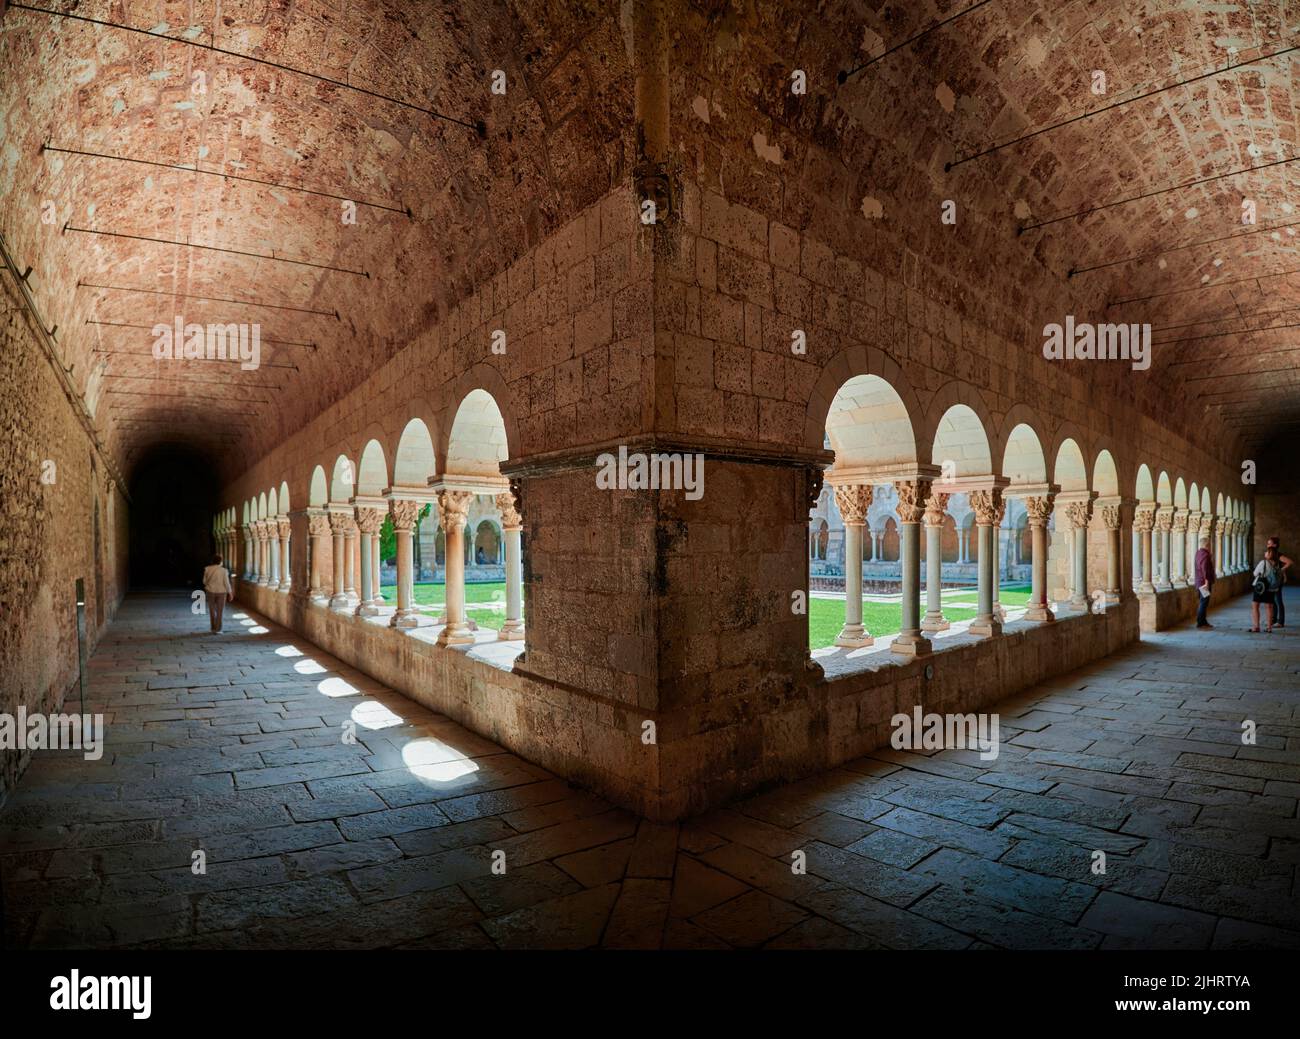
(453, 207)
(449, 207)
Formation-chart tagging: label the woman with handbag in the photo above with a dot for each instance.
(1279, 607)
(1268, 578)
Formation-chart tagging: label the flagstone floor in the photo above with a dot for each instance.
(232, 745)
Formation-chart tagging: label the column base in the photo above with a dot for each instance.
(985, 627)
(285, 587)
(460, 635)
(409, 619)
(1165, 587)
(854, 636)
(1039, 612)
(934, 622)
(339, 602)
(910, 645)
(367, 609)
(1080, 605)
(1146, 588)
(511, 631)
(1181, 582)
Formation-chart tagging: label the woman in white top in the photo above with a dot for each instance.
(1268, 577)
(216, 588)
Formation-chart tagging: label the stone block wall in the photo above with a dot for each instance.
(51, 483)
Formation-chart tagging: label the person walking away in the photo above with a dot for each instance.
(1279, 608)
(1204, 574)
(216, 588)
(1268, 577)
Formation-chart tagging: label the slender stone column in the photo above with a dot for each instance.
(1164, 525)
(284, 530)
(263, 556)
(1178, 549)
(318, 527)
(998, 611)
(1220, 567)
(853, 501)
(1038, 509)
(404, 513)
(339, 523)
(350, 563)
(1112, 517)
(1079, 512)
(1193, 543)
(273, 554)
(1207, 531)
(935, 507)
(987, 505)
(369, 520)
(453, 510)
(377, 600)
(512, 525)
(1145, 521)
(248, 552)
(1236, 545)
(912, 495)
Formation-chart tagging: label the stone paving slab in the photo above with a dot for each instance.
(228, 745)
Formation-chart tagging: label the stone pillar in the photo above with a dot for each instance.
(512, 526)
(318, 529)
(1038, 509)
(273, 553)
(248, 552)
(1193, 543)
(1112, 517)
(263, 553)
(1079, 513)
(283, 531)
(453, 510)
(339, 524)
(1219, 567)
(1144, 522)
(935, 507)
(988, 507)
(1178, 550)
(998, 611)
(1164, 525)
(369, 520)
(404, 512)
(853, 501)
(350, 563)
(912, 496)
(377, 600)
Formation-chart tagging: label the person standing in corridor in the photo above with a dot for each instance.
(1279, 608)
(1204, 582)
(217, 589)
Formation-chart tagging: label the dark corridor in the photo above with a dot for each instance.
(173, 496)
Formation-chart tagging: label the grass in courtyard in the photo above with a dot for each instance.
(882, 619)
(485, 603)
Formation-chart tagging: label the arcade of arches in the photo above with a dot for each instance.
(405, 488)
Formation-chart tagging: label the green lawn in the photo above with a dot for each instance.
(882, 619)
(485, 603)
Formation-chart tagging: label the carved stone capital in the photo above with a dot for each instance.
(1164, 519)
(1079, 512)
(1038, 509)
(405, 513)
(318, 526)
(912, 495)
(453, 508)
(510, 518)
(1180, 521)
(936, 506)
(342, 524)
(987, 506)
(853, 500)
(1145, 518)
(1110, 515)
(369, 520)
(285, 527)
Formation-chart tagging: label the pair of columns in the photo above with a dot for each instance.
(269, 553)
(352, 532)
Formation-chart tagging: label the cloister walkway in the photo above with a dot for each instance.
(234, 744)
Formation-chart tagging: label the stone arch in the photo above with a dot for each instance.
(860, 363)
(372, 473)
(1164, 491)
(869, 425)
(889, 543)
(1067, 433)
(948, 548)
(487, 542)
(1180, 494)
(1069, 472)
(480, 381)
(1218, 504)
(414, 462)
(318, 495)
(1023, 461)
(1105, 477)
(342, 481)
(1194, 497)
(478, 440)
(284, 497)
(961, 444)
(1144, 488)
(261, 507)
(1205, 499)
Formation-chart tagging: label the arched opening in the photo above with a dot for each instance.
(172, 500)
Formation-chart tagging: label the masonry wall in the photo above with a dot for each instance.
(50, 484)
